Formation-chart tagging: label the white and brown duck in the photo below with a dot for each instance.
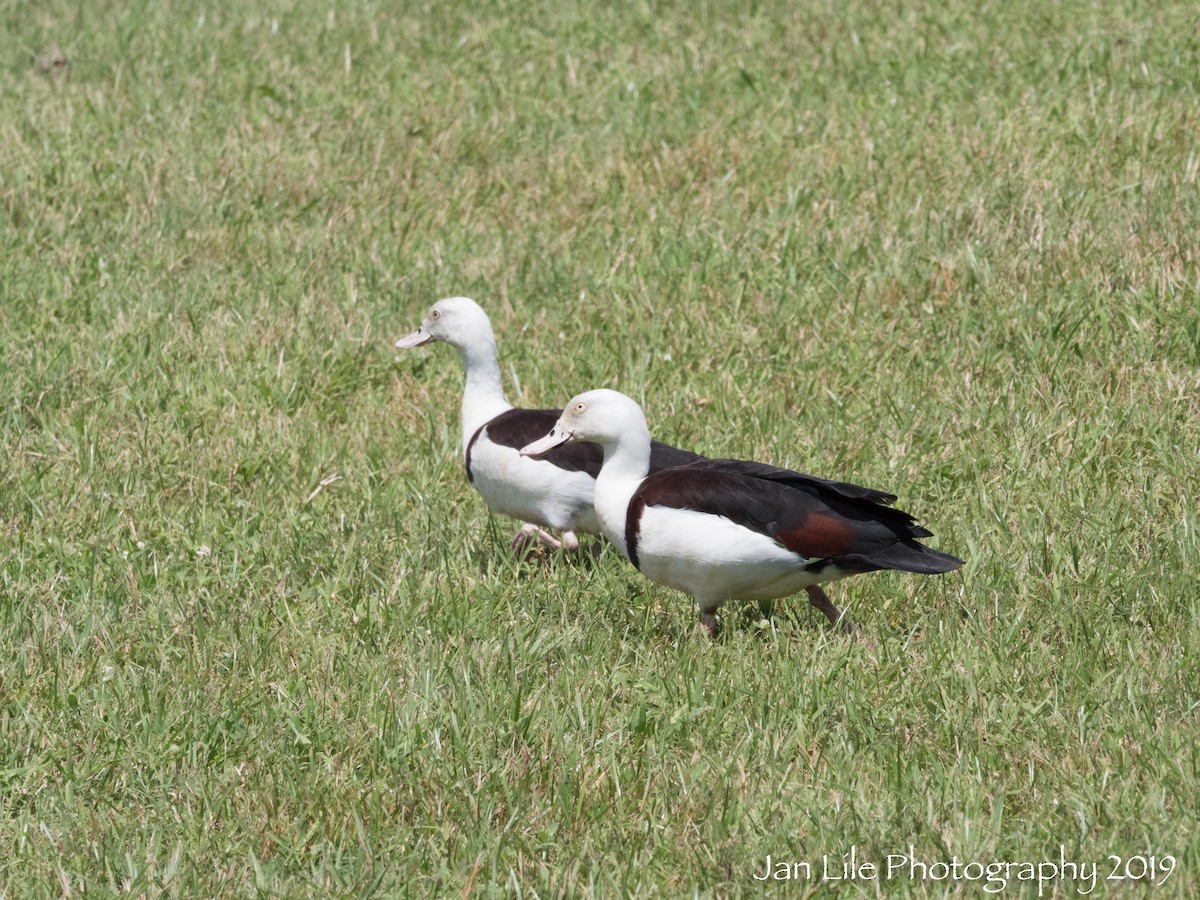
(727, 530)
(554, 491)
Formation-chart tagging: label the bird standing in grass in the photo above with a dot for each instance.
(727, 530)
(554, 491)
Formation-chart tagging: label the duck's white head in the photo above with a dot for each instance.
(458, 321)
(602, 416)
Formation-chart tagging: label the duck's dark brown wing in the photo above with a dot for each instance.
(664, 456)
(517, 428)
(833, 523)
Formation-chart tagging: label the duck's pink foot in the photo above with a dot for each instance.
(524, 538)
(549, 541)
(530, 534)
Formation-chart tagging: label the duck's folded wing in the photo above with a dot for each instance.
(664, 456)
(520, 427)
(833, 522)
(799, 480)
(517, 428)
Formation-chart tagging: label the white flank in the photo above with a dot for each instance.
(716, 560)
(532, 490)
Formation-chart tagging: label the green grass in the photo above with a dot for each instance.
(256, 632)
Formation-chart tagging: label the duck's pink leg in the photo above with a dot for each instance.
(523, 538)
(530, 532)
(819, 599)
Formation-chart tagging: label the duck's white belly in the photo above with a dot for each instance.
(532, 490)
(715, 559)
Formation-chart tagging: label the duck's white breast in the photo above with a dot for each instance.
(715, 559)
(532, 490)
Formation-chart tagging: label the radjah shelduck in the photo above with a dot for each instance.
(727, 530)
(554, 491)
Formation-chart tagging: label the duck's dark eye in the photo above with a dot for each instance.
(437, 314)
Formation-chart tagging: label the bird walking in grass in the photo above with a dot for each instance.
(727, 530)
(554, 491)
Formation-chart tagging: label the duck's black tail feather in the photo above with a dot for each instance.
(910, 556)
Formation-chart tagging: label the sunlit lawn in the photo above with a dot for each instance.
(257, 631)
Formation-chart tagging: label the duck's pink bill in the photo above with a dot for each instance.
(555, 438)
(416, 339)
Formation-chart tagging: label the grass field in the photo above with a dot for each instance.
(257, 633)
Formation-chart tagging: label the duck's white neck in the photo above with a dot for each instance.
(483, 396)
(626, 464)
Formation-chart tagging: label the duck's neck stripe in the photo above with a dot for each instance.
(633, 522)
(467, 455)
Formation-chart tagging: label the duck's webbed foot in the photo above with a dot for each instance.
(524, 538)
(532, 534)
